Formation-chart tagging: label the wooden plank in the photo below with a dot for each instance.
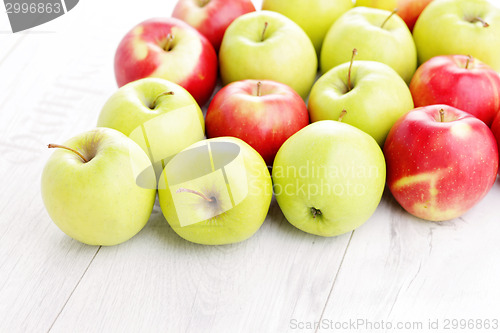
(53, 85)
(160, 282)
(403, 269)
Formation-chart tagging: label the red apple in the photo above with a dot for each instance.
(409, 10)
(211, 17)
(171, 49)
(262, 113)
(460, 81)
(441, 161)
(495, 128)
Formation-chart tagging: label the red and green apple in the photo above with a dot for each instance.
(211, 17)
(262, 113)
(171, 49)
(441, 161)
(460, 81)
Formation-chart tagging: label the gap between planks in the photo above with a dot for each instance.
(76, 286)
(334, 280)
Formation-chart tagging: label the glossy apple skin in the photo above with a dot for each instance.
(176, 119)
(378, 98)
(318, 167)
(408, 10)
(231, 226)
(286, 54)
(439, 170)
(314, 16)
(361, 28)
(98, 202)
(191, 62)
(445, 80)
(264, 122)
(445, 27)
(495, 128)
(213, 18)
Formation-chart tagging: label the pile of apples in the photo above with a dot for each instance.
(428, 133)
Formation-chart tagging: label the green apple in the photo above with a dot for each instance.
(315, 17)
(468, 27)
(408, 10)
(89, 187)
(373, 95)
(266, 45)
(159, 115)
(217, 191)
(329, 178)
(377, 34)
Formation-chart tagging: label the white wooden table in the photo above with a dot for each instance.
(395, 268)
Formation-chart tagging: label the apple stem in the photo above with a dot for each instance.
(52, 145)
(441, 115)
(153, 105)
(469, 59)
(315, 212)
(389, 17)
(203, 3)
(342, 114)
(354, 53)
(479, 19)
(195, 192)
(258, 88)
(264, 31)
(168, 43)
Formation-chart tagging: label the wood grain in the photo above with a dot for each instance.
(394, 268)
(403, 269)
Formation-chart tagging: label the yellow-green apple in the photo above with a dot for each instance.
(441, 161)
(89, 187)
(495, 128)
(328, 178)
(377, 34)
(266, 45)
(211, 17)
(460, 81)
(408, 10)
(159, 115)
(315, 17)
(217, 191)
(372, 94)
(262, 113)
(459, 27)
(171, 49)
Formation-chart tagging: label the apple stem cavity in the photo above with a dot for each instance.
(389, 17)
(186, 190)
(153, 105)
(342, 114)
(479, 19)
(52, 145)
(469, 59)
(264, 31)
(354, 53)
(259, 84)
(203, 3)
(168, 43)
(315, 212)
(441, 115)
